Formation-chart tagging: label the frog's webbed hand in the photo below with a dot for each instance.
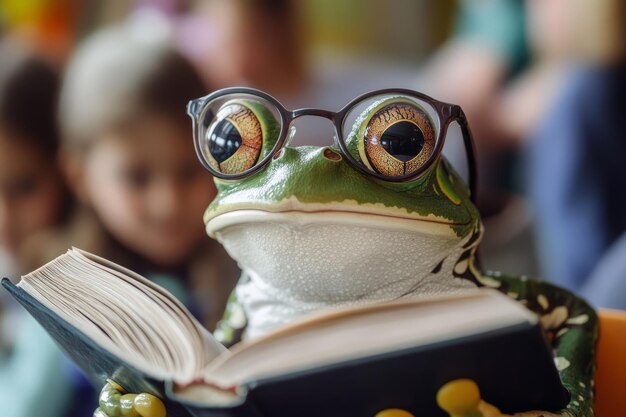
(114, 402)
(572, 330)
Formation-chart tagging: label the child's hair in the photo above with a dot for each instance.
(28, 98)
(119, 74)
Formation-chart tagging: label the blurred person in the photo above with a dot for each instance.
(486, 55)
(522, 104)
(253, 43)
(129, 158)
(487, 50)
(506, 67)
(503, 65)
(32, 198)
(32, 192)
(258, 44)
(575, 164)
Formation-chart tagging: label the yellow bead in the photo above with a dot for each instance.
(394, 412)
(127, 405)
(459, 397)
(149, 406)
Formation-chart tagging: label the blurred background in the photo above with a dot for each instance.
(93, 135)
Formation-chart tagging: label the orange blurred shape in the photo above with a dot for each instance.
(611, 360)
(46, 23)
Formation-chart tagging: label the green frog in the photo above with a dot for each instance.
(379, 215)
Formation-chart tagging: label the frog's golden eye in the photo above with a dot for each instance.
(234, 139)
(398, 139)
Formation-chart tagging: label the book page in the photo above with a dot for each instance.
(364, 331)
(161, 296)
(124, 313)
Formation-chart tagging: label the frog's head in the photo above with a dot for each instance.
(312, 224)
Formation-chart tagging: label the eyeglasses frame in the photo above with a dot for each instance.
(446, 112)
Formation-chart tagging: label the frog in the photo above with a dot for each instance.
(377, 215)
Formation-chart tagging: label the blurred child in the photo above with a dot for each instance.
(32, 194)
(32, 198)
(129, 158)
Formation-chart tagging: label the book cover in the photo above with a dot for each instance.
(512, 366)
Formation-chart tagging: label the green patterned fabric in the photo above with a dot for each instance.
(571, 326)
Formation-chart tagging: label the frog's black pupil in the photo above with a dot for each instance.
(224, 140)
(403, 140)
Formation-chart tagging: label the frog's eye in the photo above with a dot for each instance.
(234, 140)
(398, 139)
(238, 134)
(394, 137)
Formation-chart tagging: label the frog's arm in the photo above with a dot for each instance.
(230, 328)
(572, 330)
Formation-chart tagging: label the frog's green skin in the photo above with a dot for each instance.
(311, 187)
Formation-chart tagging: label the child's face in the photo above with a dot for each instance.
(31, 191)
(148, 189)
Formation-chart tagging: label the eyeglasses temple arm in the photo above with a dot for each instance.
(471, 165)
(470, 152)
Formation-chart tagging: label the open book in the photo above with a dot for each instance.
(116, 324)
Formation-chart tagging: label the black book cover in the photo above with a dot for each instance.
(512, 366)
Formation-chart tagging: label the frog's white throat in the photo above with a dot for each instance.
(295, 263)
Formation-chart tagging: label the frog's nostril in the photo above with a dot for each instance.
(332, 155)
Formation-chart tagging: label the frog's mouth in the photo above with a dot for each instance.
(427, 225)
(348, 212)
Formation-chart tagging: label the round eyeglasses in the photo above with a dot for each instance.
(394, 135)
